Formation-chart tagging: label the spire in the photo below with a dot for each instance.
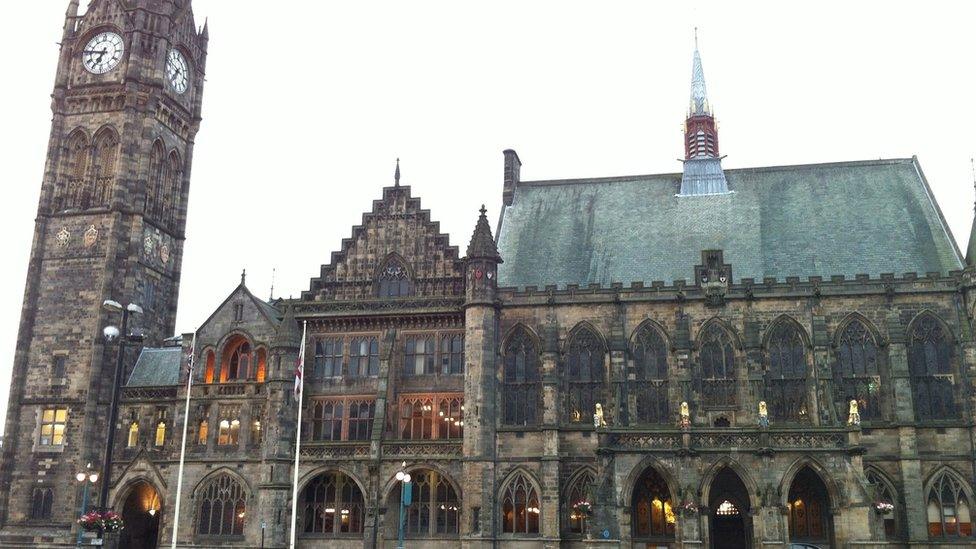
(288, 334)
(396, 175)
(971, 248)
(482, 243)
(699, 95)
(271, 294)
(205, 33)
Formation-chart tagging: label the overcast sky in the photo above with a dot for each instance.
(309, 103)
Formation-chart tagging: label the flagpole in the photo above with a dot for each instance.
(186, 421)
(300, 389)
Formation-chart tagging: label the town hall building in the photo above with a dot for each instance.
(722, 358)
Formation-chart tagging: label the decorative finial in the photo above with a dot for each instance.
(483, 210)
(696, 38)
(972, 166)
(243, 276)
(396, 175)
(271, 294)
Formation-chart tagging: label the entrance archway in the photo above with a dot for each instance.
(809, 507)
(730, 526)
(652, 513)
(141, 512)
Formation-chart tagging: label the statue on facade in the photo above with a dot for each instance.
(853, 417)
(685, 420)
(598, 420)
(763, 414)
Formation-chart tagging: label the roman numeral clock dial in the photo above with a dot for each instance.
(103, 53)
(177, 71)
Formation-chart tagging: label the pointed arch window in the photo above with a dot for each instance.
(652, 508)
(647, 393)
(42, 502)
(521, 380)
(856, 374)
(105, 155)
(74, 170)
(238, 362)
(223, 508)
(203, 430)
(520, 507)
(929, 362)
(785, 387)
(436, 507)
(949, 508)
(160, 439)
(885, 494)
(585, 375)
(154, 184)
(173, 187)
(332, 505)
(133, 439)
(717, 358)
(580, 491)
(393, 280)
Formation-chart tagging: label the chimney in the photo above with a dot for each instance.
(513, 169)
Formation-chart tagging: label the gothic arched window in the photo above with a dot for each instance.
(786, 376)
(237, 362)
(648, 391)
(584, 376)
(203, 429)
(856, 371)
(133, 439)
(436, 508)
(106, 152)
(652, 508)
(929, 362)
(520, 506)
(948, 509)
(885, 494)
(580, 492)
(223, 507)
(74, 170)
(42, 501)
(521, 380)
(717, 358)
(173, 187)
(393, 280)
(209, 367)
(154, 184)
(332, 504)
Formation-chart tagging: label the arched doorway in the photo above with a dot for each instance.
(141, 512)
(730, 526)
(809, 509)
(652, 510)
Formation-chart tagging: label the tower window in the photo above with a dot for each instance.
(53, 425)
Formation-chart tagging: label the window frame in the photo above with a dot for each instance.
(435, 363)
(508, 493)
(430, 419)
(233, 491)
(346, 424)
(56, 438)
(521, 383)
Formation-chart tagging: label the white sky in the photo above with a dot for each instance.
(309, 103)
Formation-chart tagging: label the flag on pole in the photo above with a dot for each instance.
(299, 370)
(186, 421)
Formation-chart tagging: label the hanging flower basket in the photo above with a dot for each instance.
(883, 507)
(688, 508)
(583, 507)
(109, 521)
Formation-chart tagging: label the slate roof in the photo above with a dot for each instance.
(156, 367)
(869, 217)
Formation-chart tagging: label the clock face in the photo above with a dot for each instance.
(177, 71)
(103, 52)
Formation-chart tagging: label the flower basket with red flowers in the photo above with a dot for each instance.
(94, 521)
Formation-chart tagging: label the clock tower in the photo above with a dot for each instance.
(110, 225)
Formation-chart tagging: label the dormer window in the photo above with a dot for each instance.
(393, 280)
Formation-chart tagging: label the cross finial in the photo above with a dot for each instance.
(396, 175)
(271, 295)
(243, 276)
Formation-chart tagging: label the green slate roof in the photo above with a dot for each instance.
(156, 367)
(850, 218)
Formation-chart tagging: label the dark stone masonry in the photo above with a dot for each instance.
(713, 358)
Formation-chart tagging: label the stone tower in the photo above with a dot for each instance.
(110, 225)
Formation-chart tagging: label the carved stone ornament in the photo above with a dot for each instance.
(148, 245)
(164, 253)
(91, 236)
(63, 237)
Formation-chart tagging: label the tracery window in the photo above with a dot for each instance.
(393, 280)
(223, 507)
(648, 391)
(452, 354)
(948, 509)
(929, 362)
(521, 380)
(364, 356)
(239, 364)
(346, 418)
(520, 506)
(42, 502)
(585, 376)
(154, 183)
(450, 418)
(432, 416)
(786, 375)
(717, 358)
(175, 190)
(581, 490)
(328, 358)
(106, 150)
(883, 493)
(74, 170)
(202, 432)
(360, 419)
(436, 507)
(856, 371)
(332, 505)
(419, 355)
(652, 510)
(133, 439)
(229, 432)
(416, 418)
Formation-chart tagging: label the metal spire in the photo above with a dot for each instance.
(271, 295)
(396, 175)
(699, 95)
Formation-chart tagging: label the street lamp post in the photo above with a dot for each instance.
(86, 478)
(111, 334)
(406, 498)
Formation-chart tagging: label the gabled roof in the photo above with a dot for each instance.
(156, 367)
(870, 217)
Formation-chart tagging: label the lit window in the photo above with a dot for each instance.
(228, 432)
(160, 433)
(133, 435)
(53, 423)
(202, 433)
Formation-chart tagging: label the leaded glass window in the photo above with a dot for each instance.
(786, 375)
(223, 507)
(393, 280)
(332, 505)
(648, 391)
(929, 362)
(521, 380)
(328, 358)
(580, 491)
(717, 358)
(585, 376)
(652, 508)
(452, 354)
(948, 509)
(856, 371)
(419, 356)
(364, 356)
(520, 506)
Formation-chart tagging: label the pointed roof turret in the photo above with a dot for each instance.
(396, 174)
(482, 244)
(288, 334)
(702, 174)
(205, 33)
(971, 248)
(699, 94)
